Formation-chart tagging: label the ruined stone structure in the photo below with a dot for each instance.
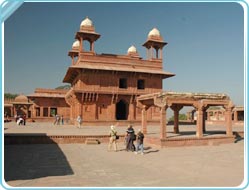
(104, 87)
(176, 101)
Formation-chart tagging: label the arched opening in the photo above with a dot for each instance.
(86, 45)
(121, 110)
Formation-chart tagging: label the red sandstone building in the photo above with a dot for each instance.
(105, 87)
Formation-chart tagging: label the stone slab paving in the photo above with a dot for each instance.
(50, 129)
(80, 165)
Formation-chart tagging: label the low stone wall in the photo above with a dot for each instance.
(10, 139)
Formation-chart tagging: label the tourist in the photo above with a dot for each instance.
(131, 137)
(140, 142)
(62, 120)
(24, 119)
(57, 119)
(79, 120)
(113, 139)
(20, 121)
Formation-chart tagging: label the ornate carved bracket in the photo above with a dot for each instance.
(160, 101)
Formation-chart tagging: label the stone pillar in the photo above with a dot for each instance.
(176, 121)
(144, 120)
(81, 44)
(176, 109)
(92, 46)
(41, 111)
(204, 121)
(217, 115)
(199, 123)
(131, 109)
(208, 115)
(235, 116)
(228, 116)
(113, 109)
(163, 122)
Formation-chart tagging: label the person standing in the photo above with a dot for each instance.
(57, 118)
(62, 120)
(130, 139)
(140, 142)
(24, 119)
(79, 120)
(113, 139)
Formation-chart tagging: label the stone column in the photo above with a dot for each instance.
(199, 123)
(208, 115)
(161, 53)
(113, 110)
(235, 114)
(81, 44)
(131, 110)
(228, 116)
(204, 121)
(176, 109)
(217, 115)
(92, 46)
(41, 111)
(144, 120)
(163, 122)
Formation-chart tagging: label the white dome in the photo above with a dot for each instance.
(76, 44)
(132, 49)
(86, 22)
(154, 32)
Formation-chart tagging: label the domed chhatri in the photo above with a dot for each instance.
(76, 44)
(21, 98)
(132, 49)
(86, 22)
(154, 32)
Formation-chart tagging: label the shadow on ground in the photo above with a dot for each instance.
(31, 161)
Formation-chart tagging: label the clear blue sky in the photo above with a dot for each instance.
(205, 42)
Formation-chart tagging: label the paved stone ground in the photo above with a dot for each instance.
(153, 130)
(80, 165)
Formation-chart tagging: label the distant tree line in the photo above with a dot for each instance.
(67, 86)
(182, 117)
(10, 96)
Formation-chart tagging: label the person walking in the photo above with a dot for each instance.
(113, 139)
(79, 120)
(131, 137)
(140, 142)
(57, 118)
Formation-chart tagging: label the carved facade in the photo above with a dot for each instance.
(104, 87)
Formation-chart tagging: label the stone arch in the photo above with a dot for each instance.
(122, 110)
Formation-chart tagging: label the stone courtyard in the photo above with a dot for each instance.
(82, 165)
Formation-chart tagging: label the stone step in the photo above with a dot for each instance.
(92, 141)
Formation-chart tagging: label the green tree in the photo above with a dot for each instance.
(10, 96)
(181, 117)
(67, 86)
